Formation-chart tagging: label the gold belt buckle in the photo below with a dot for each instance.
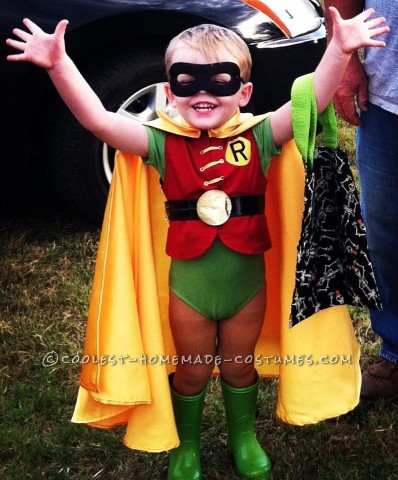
(214, 207)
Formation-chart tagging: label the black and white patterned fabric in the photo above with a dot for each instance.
(333, 264)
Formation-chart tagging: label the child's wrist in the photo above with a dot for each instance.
(60, 65)
(337, 50)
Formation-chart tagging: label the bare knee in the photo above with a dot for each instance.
(191, 379)
(239, 373)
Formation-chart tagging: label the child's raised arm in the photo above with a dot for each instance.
(48, 51)
(348, 36)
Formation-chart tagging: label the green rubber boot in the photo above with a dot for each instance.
(184, 461)
(251, 462)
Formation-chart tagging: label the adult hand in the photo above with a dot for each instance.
(352, 92)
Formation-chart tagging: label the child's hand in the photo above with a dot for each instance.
(42, 49)
(357, 32)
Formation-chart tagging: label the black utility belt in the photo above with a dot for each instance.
(215, 207)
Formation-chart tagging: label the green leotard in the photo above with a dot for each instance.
(219, 283)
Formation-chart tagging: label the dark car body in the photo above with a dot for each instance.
(119, 46)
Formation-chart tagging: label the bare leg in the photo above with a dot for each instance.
(195, 338)
(237, 338)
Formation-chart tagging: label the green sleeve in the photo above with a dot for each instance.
(156, 141)
(265, 142)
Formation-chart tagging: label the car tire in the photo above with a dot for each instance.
(75, 158)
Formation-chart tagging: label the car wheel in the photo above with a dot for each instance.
(80, 166)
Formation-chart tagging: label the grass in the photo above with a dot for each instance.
(46, 266)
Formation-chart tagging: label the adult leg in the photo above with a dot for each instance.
(195, 340)
(236, 343)
(377, 147)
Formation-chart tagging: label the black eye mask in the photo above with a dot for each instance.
(205, 77)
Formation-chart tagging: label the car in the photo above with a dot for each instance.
(119, 46)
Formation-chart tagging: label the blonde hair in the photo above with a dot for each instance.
(212, 41)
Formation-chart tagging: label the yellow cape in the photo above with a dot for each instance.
(125, 375)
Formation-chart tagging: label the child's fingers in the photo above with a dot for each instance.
(366, 14)
(376, 43)
(335, 14)
(376, 22)
(16, 44)
(16, 57)
(60, 28)
(21, 34)
(31, 25)
(377, 27)
(378, 31)
(62, 24)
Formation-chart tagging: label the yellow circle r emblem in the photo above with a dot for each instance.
(238, 152)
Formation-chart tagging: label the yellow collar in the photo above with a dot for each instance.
(239, 123)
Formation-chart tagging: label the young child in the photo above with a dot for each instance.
(214, 183)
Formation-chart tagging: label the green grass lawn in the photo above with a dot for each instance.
(46, 266)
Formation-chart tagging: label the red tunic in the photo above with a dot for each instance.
(230, 164)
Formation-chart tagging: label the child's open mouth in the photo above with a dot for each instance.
(204, 107)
